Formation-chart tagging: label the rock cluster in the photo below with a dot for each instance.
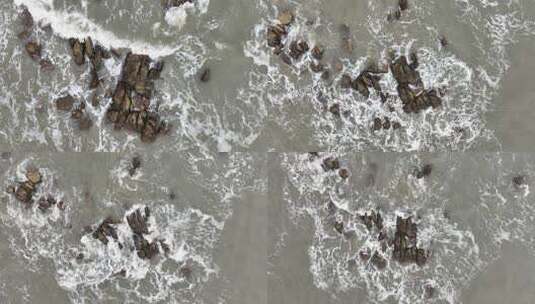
(132, 95)
(95, 53)
(45, 202)
(25, 190)
(138, 224)
(106, 229)
(410, 86)
(276, 36)
(32, 47)
(333, 164)
(405, 243)
(66, 103)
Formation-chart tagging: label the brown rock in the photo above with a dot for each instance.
(286, 17)
(34, 49)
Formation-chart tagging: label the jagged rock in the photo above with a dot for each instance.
(105, 230)
(85, 122)
(205, 75)
(34, 49)
(94, 82)
(26, 18)
(156, 70)
(396, 125)
(145, 250)
(405, 243)
(275, 35)
(298, 48)
(33, 176)
(77, 51)
(377, 124)
(286, 17)
(138, 222)
(331, 164)
(371, 219)
(317, 52)
(131, 100)
(316, 67)
(443, 41)
(136, 163)
(386, 123)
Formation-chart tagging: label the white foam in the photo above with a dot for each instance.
(77, 25)
(176, 16)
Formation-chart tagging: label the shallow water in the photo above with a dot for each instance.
(248, 215)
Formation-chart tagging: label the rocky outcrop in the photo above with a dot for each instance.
(405, 243)
(24, 191)
(131, 100)
(106, 229)
(139, 226)
(411, 91)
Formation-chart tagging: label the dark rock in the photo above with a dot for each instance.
(88, 47)
(77, 51)
(405, 243)
(26, 18)
(145, 250)
(519, 180)
(378, 261)
(156, 70)
(339, 227)
(443, 41)
(136, 163)
(403, 4)
(46, 65)
(372, 219)
(34, 49)
(335, 109)
(106, 229)
(377, 124)
(316, 67)
(275, 34)
(345, 81)
(298, 48)
(317, 52)
(45, 203)
(331, 164)
(344, 173)
(138, 222)
(396, 125)
(425, 171)
(205, 75)
(85, 122)
(94, 82)
(386, 123)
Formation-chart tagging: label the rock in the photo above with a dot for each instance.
(317, 52)
(106, 229)
(45, 203)
(403, 4)
(138, 222)
(145, 250)
(156, 70)
(131, 99)
(316, 67)
(396, 125)
(429, 291)
(136, 163)
(425, 171)
(24, 193)
(519, 180)
(33, 176)
(335, 109)
(378, 261)
(345, 34)
(372, 219)
(286, 17)
(344, 173)
(34, 49)
(405, 243)
(386, 123)
(345, 81)
(77, 51)
(443, 41)
(88, 47)
(46, 65)
(298, 48)
(377, 124)
(26, 18)
(331, 164)
(275, 34)
(205, 75)
(339, 227)
(404, 74)
(94, 82)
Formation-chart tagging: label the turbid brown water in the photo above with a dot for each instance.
(231, 206)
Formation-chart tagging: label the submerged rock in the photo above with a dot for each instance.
(25, 190)
(135, 164)
(205, 75)
(425, 171)
(331, 164)
(286, 17)
(138, 221)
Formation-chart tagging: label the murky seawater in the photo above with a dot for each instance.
(239, 210)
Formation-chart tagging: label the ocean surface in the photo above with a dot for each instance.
(260, 185)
